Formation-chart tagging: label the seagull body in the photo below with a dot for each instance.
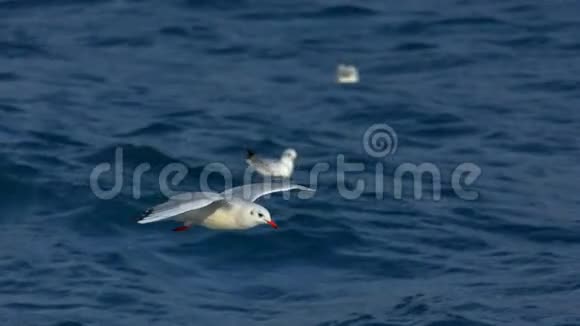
(283, 167)
(233, 209)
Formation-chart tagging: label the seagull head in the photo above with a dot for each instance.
(289, 154)
(256, 214)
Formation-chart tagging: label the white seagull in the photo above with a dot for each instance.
(346, 74)
(233, 209)
(284, 167)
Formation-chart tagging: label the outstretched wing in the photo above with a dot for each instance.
(254, 191)
(179, 204)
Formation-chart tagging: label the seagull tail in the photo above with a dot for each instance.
(250, 154)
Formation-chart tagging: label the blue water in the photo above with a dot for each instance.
(493, 83)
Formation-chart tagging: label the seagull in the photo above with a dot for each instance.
(346, 74)
(271, 167)
(233, 209)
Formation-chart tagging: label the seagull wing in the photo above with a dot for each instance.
(263, 165)
(179, 204)
(251, 192)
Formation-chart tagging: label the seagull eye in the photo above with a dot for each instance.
(260, 215)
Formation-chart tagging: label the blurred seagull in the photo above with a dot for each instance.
(346, 74)
(284, 167)
(233, 209)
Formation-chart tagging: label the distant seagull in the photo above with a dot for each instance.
(272, 167)
(233, 209)
(346, 74)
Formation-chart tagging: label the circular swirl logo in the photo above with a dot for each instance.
(380, 140)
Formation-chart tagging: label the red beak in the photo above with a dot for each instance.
(273, 224)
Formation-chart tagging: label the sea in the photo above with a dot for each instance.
(446, 178)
